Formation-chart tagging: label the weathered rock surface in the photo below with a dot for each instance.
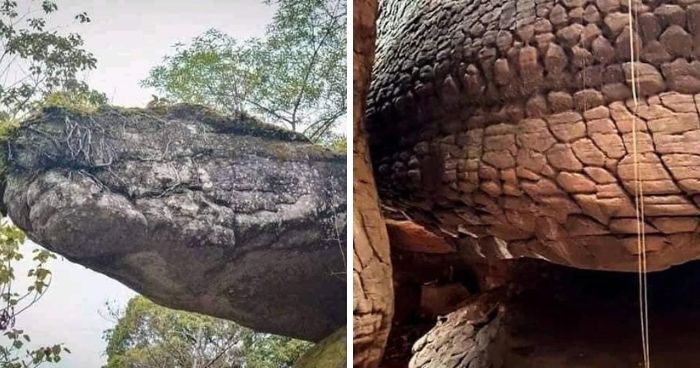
(409, 236)
(330, 352)
(558, 317)
(373, 296)
(222, 216)
(513, 120)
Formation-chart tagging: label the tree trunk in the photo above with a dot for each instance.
(373, 300)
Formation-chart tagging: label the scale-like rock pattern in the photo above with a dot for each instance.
(514, 119)
(557, 317)
(222, 216)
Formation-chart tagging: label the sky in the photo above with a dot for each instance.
(128, 38)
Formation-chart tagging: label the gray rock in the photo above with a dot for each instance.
(223, 216)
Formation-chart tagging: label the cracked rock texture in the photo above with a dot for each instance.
(559, 317)
(373, 294)
(514, 120)
(223, 216)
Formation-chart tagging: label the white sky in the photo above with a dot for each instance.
(128, 38)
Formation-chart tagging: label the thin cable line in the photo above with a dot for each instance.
(639, 203)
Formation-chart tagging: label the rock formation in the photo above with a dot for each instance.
(514, 120)
(328, 353)
(373, 295)
(509, 130)
(223, 216)
(556, 317)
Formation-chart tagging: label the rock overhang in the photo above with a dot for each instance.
(516, 122)
(220, 215)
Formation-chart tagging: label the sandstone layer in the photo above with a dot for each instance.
(373, 295)
(515, 120)
(223, 216)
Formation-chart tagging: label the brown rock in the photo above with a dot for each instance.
(567, 126)
(536, 106)
(616, 92)
(629, 226)
(591, 14)
(679, 102)
(588, 153)
(607, 6)
(561, 157)
(616, 22)
(649, 27)
(570, 35)
(604, 125)
(644, 142)
(600, 112)
(648, 78)
(555, 59)
(670, 14)
(682, 76)
(671, 225)
(584, 226)
(678, 123)
(588, 98)
(655, 53)
(558, 15)
(611, 144)
(437, 300)
(542, 188)
(600, 175)
(560, 101)
(534, 134)
(412, 237)
(602, 50)
(575, 183)
(677, 41)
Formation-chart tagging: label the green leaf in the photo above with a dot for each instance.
(294, 76)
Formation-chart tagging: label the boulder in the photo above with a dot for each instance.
(223, 216)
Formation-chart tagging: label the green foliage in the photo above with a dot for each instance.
(212, 70)
(269, 351)
(147, 335)
(335, 142)
(8, 127)
(295, 76)
(14, 354)
(79, 100)
(34, 60)
(331, 352)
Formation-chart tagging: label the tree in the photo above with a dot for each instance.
(147, 336)
(295, 76)
(270, 351)
(13, 353)
(34, 60)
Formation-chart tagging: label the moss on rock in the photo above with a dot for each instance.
(331, 352)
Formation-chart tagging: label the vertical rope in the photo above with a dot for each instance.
(639, 203)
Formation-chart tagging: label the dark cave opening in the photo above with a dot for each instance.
(558, 316)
